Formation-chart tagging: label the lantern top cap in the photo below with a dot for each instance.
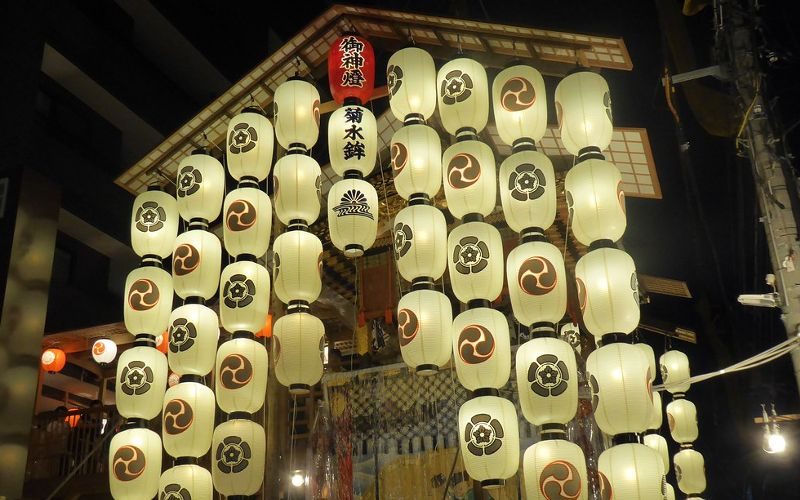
(252, 109)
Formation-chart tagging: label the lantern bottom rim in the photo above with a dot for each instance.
(492, 484)
(426, 370)
(354, 250)
(299, 389)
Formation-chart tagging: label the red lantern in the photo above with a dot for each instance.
(162, 342)
(351, 69)
(53, 360)
(73, 417)
(266, 332)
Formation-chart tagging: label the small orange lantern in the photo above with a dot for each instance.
(53, 360)
(162, 342)
(73, 417)
(266, 332)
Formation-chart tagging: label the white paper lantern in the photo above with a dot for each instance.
(248, 222)
(424, 330)
(620, 384)
(555, 469)
(583, 106)
(470, 182)
(682, 419)
(482, 348)
(651, 359)
(657, 417)
(244, 297)
(154, 224)
(690, 471)
(352, 140)
(241, 375)
(547, 381)
(196, 264)
(670, 492)
(675, 371)
(186, 482)
(297, 182)
(353, 216)
(148, 292)
(489, 439)
(296, 113)
(298, 342)
(416, 152)
(537, 283)
(104, 351)
(193, 337)
(520, 104)
(297, 266)
(528, 190)
(476, 261)
(411, 81)
(188, 419)
(200, 187)
(134, 464)
(596, 201)
(250, 145)
(608, 291)
(238, 452)
(659, 445)
(420, 242)
(141, 382)
(632, 471)
(463, 93)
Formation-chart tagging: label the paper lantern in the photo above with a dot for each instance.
(476, 261)
(520, 104)
(420, 242)
(690, 471)
(162, 342)
(134, 464)
(173, 379)
(489, 439)
(188, 419)
(244, 296)
(193, 337)
(675, 371)
(351, 69)
(251, 142)
(670, 492)
(248, 222)
(266, 330)
(424, 330)
(470, 182)
(682, 419)
(463, 93)
(237, 457)
(154, 224)
(186, 482)
(651, 359)
(353, 216)
(482, 348)
(297, 183)
(547, 381)
(297, 113)
(200, 187)
(241, 375)
(416, 153)
(53, 360)
(620, 385)
(656, 418)
(104, 351)
(528, 190)
(352, 140)
(583, 106)
(596, 201)
(141, 382)
(632, 471)
(148, 292)
(298, 341)
(657, 443)
(555, 469)
(196, 263)
(537, 283)
(411, 81)
(297, 266)
(608, 291)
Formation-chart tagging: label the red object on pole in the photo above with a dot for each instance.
(351, 69)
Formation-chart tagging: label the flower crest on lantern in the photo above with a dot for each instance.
(548, 375)
(136, 377)
(470, 255)
(484, 434)
(233, 454)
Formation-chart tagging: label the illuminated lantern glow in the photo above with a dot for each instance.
(141, 381)
(595, 201)
(528, 190)
(297, 114)
(670, 492)
(632, 470)
(489, 439)
(675, 372)
(547, 381)
(352, 140)
(297, 266)
(690, 471)
(148, 300)
(583, 107)
(200, 187)
(154, 224)
(659, 445)
(241, 375)
(238, 451)
(411, 81)
(193, 337)
(537, 282)
(463, 96)
(682, 420)
(351, 69)
(475, 250)
(248, 222)
(134, 464)
(425, 330)
(353, 216)
(250, 145)
(657, 417)
(482, 348)
(53, 360)
(297, 183)
(186, 481)
(420, 242)
(244, 294)
(520, 104)
(469, 178)
(298, 341)
(104, 351)
(416, 154)
(555, 469)
(196, 263)
(188, 419)
(651, 360)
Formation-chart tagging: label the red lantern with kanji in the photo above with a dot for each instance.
(351, 69)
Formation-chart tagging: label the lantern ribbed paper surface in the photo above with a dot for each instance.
(482, 348)
(154, 224)
(690, 471)
(670, 492)
(244, 296)
(420, 242)
(134, 464)
(469, 178)
(416, 154)
(633, 471)
(475, 251)
(297, 266)
(596, 201)
(682, 419)
(547, 381)
(651, 358)
(251, 141)
(424, 329)
(352, 140)
(675, 371)
(241, 375)
(353, 216)
(489, 439)
(148, 300)
(237, 457)
(463, 93)
(528, 190)
(537, 283)
(520, 104)
(104, 351)
(411, 81)
(657, 417)
(196, 263)
(296, 113)
(608, 291)
(659, 444)
(200, 187)
(297, 182)
(583, 106)
(351, 68)
(193, 337)
(187, 419)
(141, 382)
(248, 222)
(298, 342)
(555, 469)
(186, 482)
